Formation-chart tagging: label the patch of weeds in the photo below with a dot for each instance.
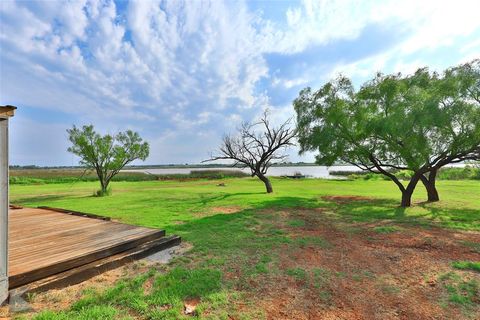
(466, 265)
(351, 230)
(296, 223)
(259, 265)
(475, 246)
(31, 296)
(126, 293)
(356, 277)
(274, 232)
(386, 229)
(298, 273)
(261, 268)
(362, 275)
(325, 296)
(181, 283)
(218, 305)
(368, 274)
(216, 262)
(428, 241)
(387, 285)
(163, 301)
(94, 312)
(321, 277)
(464, 292)
(263, 265)
(303, 242)
(388, 288)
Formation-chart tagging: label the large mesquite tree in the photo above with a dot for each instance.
(257, 146)
(419, 122)
(455, 100)
(107, 154)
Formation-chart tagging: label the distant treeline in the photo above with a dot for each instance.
(166, 166)
(47, 176)
(469, 172)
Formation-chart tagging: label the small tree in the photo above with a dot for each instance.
(257, 146)
(418, 123)
(107, 154)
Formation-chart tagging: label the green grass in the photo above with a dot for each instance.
(386, 229)
(233, 252)
(463, 292)
(164, 204)
(466, 265)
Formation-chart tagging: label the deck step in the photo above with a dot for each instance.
(41, 273)
(87, 271)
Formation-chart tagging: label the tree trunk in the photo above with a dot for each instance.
(268, 184)
(103, 187)
(429, 184)
(408, 191)
(406, 199)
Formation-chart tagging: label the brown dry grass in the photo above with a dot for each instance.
(365, 274)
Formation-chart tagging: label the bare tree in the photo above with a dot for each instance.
(257, 146)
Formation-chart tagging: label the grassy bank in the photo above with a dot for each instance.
(299, 252)
(469, 172)
(48, 176)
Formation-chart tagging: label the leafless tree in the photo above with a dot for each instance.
(257, 146)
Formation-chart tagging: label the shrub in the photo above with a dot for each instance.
(204, 174)
(466, 173)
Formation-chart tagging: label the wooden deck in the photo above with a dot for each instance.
(44, 242)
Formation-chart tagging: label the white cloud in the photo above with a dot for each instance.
(176, 55)
(427, 24)
(186, 69)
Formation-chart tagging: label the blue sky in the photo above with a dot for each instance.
(183, 73)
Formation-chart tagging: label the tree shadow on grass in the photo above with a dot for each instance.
(39, 199)
(458, 218)
(425, 214)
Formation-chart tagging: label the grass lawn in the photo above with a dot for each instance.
(312, 249)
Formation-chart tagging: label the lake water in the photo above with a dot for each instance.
(310, 171)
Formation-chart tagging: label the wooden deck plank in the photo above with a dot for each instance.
(44, 242)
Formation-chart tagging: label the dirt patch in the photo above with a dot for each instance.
(366, 274)
(226, 210)
(346, 199)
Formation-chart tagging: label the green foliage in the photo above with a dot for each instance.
(465, 173)
(418, 122)
(204, 174)
(467, 265)
(469, 172)
(107, 154)
(73, 177)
